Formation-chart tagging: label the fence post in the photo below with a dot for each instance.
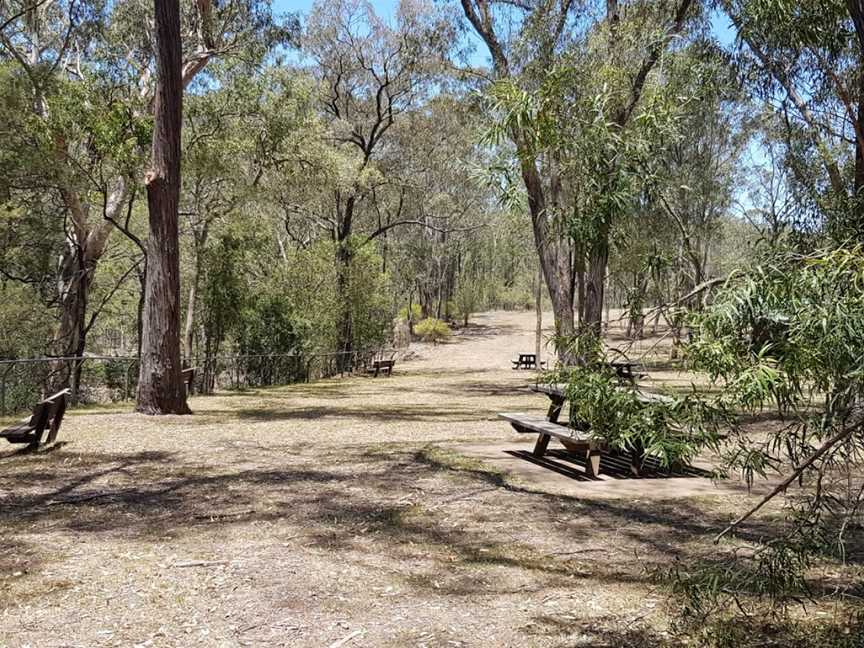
(126, 381)
(3, 389)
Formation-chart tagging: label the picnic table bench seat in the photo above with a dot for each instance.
(576, 441)
(47, 414)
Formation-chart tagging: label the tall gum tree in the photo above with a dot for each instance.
(60, 45)
(370, 72)
(809, 59)
(554, 27)
(160, 382)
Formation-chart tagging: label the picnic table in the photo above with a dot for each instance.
(526, 361)
(625, 370)
(577, 439)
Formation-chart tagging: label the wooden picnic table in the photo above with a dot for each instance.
(574, 438)
(525, 361)
(625, 370)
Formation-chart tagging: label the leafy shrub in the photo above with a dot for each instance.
(416, 313)
(432, 330)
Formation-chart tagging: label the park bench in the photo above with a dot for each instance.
(576, 441)
(379, 366)
(48, 414)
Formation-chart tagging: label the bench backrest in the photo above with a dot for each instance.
(40, 415)
(58, 409)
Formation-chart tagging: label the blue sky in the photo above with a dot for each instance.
(721, 26)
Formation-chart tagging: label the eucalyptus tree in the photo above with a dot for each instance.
(430, 207)
(807, 60)
(698, 181)
(528, 41)
(242, 139)
(84, 72)
(160, 382)
(371, 73)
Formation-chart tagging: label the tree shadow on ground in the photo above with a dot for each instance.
(392, 413)
(612, 466)
(457, 524)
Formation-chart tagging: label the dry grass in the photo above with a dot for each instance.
(305, 515)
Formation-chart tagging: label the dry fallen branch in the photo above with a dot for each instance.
(346, 639)
(219, 516)
(198, 563)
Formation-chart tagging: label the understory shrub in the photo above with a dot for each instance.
(432, 330)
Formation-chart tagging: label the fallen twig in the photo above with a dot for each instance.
(216, 516)
(346, 639)
(199, 563)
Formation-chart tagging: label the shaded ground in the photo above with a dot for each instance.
(347, 510)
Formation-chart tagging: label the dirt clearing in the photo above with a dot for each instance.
(342, 513)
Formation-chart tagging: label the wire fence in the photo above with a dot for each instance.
(110, 379)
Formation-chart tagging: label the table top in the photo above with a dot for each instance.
(559, 390)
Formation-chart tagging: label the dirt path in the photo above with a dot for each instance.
(342, 511)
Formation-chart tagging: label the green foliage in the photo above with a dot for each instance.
(467, 299)
(787, 335)
(673, 430)
(267, 325)
(24, 328)
(416, 313)
(224, 290)
(432, 330)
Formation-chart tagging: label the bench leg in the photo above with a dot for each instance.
(541, 445)
(592, 461)
(637, 458)
(555, 410)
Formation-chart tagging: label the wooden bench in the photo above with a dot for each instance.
(48, 414)
(382, 365)
(576, 441)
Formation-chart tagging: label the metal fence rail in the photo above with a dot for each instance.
(107, 379)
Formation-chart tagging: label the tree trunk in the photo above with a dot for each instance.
(160, 385)
(595, 284)
(343, 292)
(554, 256)
(200, 242)
(538, 304)
(856, 12)
(74, 280)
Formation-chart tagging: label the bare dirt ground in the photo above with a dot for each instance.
(342, 513)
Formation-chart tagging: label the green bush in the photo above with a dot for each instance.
(432, 330)
(416, 313)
